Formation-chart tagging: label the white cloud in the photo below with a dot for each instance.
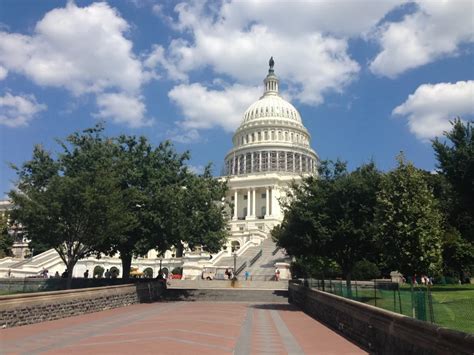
(122, 109)
(430, 108)
(237, 39)
(435, 30)
(203, 108)
(16, 111)
(3, 72)
(82, 49)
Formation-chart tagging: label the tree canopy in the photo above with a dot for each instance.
(332, 216)
(409, 221)
(71, 203)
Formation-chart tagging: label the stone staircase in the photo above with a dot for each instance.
(264, 268)
(226, 295)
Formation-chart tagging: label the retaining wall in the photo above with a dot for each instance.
(37, 307)
(18, 285)
(377, 330)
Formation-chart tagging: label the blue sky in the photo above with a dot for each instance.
(370, 78)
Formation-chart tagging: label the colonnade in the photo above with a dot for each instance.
(254, 198)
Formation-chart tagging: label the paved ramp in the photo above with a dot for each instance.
(181, 328)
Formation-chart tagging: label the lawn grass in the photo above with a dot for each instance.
(453, 305)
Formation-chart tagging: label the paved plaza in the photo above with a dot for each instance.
(181, 328)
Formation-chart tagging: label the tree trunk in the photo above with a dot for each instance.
(179, 250)
(126, 265)
(348, 284)
(69, 270)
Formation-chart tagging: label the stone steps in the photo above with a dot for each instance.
(227, 284)
(226, 295)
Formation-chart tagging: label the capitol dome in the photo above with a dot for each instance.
(271, 137)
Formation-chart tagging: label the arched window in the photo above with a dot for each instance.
(234, 246)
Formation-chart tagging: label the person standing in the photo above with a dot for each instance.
(86, 274)
(277, 274)
(247, 274)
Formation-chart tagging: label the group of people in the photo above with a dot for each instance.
(424, 280)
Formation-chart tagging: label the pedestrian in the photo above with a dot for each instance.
(56, 275)
(227, 273)
(277, 274)
(107, 274)
(86, 274)
(247, 274)
(64, 274)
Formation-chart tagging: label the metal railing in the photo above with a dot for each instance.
(256, 257)
(451, 306)
(241, 268)
(275, 251)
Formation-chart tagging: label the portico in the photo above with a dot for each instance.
(253, 202)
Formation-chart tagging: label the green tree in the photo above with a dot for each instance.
(200, 209)
(456, 163)
(6, 241)
(149, 179)
(409, 221)
(332, 217)
(73, 202)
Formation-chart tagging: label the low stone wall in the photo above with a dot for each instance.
(377, 330)
(19, 285)
(32, 308)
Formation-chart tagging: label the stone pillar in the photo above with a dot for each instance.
(260, 161)
(245, 164)
(294, 162)
(251, 162)
(254, 214)
(236, 195)
(267, 204)
(248, 203)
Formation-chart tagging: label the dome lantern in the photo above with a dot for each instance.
(271, 81)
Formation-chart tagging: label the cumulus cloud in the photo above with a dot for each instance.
(16, 111)
(430, 108)
(236, 39)
(122, 108)
(205, 108)
(81, 49)
(435, 30)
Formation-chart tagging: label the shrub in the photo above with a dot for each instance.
(177, 270)
(98, 272)
(365, 270)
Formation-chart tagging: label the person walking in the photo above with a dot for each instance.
(247, 274)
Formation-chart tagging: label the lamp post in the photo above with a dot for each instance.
(235, 262)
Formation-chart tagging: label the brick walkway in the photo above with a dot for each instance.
(180, 328)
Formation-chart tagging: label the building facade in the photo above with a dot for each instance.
(271, 148)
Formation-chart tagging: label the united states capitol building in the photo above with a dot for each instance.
(271, 148)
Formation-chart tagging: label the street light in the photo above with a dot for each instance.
(235, 262)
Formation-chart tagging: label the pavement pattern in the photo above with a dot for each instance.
(181, 328)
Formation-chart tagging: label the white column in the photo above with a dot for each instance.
(251, 162)
(274, 203)
(253, 203)
(294, 162)
(267, 200)
(260, 161)
(235, 204)
(301, 163)
(245, 164)
(248, 203)
(286, 162)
